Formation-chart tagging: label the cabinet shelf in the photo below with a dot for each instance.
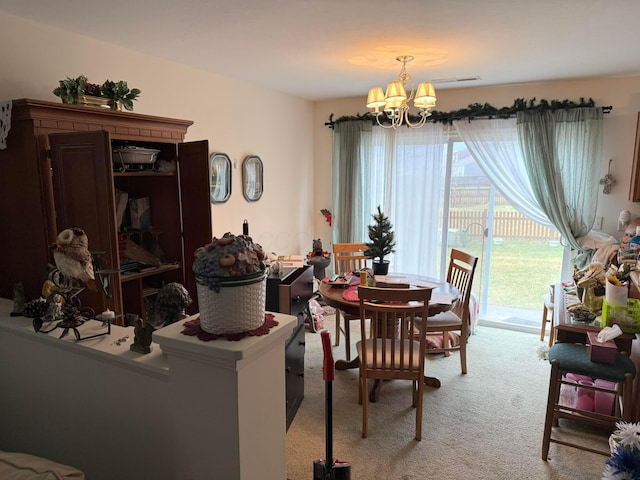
(127, 277)
(150, 292)
(144, 174)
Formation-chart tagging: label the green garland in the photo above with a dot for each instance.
(479, 110)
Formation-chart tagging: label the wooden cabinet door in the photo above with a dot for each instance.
(193, 168)
(84, 198)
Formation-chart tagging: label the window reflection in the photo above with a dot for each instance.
(252, 177)
(220, 177)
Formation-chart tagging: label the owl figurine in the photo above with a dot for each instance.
(72, 256)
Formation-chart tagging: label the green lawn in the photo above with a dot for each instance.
(520, 271)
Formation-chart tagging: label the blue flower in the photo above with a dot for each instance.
(625, 461)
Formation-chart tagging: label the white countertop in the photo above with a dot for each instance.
(113, 347)
(222, 350)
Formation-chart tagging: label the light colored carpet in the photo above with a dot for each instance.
(484, 425)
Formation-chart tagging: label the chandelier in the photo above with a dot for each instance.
(395, 102)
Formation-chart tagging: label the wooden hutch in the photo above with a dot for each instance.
(57, 172)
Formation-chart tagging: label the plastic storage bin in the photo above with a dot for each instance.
(627, 318)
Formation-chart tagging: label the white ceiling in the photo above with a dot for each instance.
(323, 49)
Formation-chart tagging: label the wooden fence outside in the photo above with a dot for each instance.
(471, 224)
(468, 222)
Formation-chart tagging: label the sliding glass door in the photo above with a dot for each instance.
(518, 258)
(437, 198)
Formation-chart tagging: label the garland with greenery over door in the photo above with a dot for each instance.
(483, 110)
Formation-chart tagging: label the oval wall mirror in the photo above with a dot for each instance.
(252, 178)
(220, 177)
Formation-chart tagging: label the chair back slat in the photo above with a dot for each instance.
(462, 267)
(393, 350)
(347, 257)
(350, 257)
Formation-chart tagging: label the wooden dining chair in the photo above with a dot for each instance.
(389, 347)
(462, 268)
(348, 257)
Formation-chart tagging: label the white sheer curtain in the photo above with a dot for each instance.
(403, 171)
(495, 147)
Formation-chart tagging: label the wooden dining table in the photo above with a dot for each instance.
(334, 296)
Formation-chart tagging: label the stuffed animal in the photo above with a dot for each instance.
(272, 262)
(629, 232)
(317, 247)
(314, 315)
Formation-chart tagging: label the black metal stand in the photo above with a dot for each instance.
(65, 326)
(69, 295)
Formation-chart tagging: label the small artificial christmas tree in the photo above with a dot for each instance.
(381, 241)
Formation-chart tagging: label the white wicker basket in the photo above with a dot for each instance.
(237, 307)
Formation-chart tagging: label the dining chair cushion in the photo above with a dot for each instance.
(574, 358)
(437, 342)
(397, 353)
(444, 319)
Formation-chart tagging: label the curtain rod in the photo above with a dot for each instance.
(479, 110)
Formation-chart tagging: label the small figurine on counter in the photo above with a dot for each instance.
(19, 299)
(171, 303)
(143, 334)
(54, 309)
(72, 257)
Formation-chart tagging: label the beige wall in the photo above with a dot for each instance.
(619, 132)
(289, 134)
(235, 117)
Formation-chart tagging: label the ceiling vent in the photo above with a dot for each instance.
(456, 80)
